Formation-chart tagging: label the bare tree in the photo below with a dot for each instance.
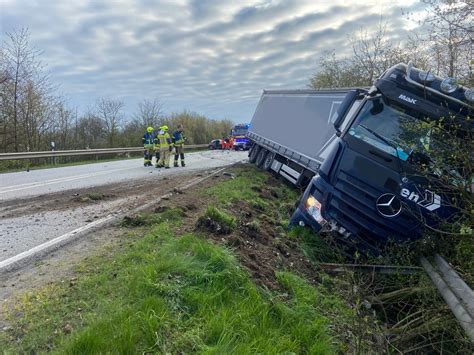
(110, 112)
(22, 68)
(450, 33)
(372, 55)
(149, 113)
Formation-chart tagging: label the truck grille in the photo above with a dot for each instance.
(353, 206)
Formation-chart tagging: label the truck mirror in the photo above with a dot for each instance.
(377, 107)
(344, 108)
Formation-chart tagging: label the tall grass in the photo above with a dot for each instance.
(173, 295)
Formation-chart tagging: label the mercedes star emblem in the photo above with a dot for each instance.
(388, 205)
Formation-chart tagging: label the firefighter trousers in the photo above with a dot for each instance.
(178, 154)
(148, 154)
(164, 157)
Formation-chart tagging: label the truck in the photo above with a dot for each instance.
(239, 134)
(360, 153)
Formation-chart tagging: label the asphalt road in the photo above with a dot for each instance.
(40, 182)
(40, 205)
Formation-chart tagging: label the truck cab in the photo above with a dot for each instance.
(381, 179)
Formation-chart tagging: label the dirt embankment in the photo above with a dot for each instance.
(256, 239)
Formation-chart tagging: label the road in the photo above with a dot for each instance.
(40, 182)
(41, 205)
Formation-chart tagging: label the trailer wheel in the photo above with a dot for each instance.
(262, 154)
(267, 163)
(253, 153)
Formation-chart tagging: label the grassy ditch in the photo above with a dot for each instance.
(178, 284)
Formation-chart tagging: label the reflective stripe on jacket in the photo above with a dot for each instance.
(148, 138)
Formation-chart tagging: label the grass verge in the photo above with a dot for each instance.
(172, 295)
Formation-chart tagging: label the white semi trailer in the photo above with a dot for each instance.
(292, 130)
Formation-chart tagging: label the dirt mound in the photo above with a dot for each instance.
(260, 244)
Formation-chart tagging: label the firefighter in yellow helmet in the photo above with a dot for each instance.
(178, 141)
(165, 147)
(148, 141)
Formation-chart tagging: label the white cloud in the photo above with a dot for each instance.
(203, 55)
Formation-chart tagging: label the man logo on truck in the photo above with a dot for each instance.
(407, 99)
(388, 205)
(431, 201)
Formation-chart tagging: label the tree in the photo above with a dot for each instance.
(450, 37)
(149, 113)
(23, 74)
(337, 73)
(110, 112)
(90, 131)
(372, 55)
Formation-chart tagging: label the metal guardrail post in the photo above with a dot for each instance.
(463, 292)
(465, 319)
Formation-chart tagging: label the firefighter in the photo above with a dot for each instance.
(148, 141)
(165, 147)
(178, 140)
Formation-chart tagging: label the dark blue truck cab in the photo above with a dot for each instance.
(378, 182)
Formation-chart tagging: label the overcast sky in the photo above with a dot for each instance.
(212, 57)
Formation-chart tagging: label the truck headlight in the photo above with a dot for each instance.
(313, 207)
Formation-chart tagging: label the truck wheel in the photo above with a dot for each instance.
(267, 163)
(253, 153)
(262, 154)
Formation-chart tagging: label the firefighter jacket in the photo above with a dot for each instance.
(178, 137)
(148, 139)
(164, 139)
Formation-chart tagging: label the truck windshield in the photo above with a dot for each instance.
(394, 130)
(239, 131)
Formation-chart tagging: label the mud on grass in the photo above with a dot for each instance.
(261, 206)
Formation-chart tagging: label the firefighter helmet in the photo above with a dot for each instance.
(149, 129)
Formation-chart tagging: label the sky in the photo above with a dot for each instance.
(212, 57)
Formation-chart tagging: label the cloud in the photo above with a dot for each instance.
(208, 56)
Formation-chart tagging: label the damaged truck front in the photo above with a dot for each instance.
(383, 176)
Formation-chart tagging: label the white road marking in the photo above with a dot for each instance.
(19, 257)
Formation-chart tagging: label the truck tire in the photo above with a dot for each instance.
(262, 154)
(267, 163)
(253, 154)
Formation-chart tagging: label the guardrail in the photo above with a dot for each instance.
(457, 294)
(63, 153)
